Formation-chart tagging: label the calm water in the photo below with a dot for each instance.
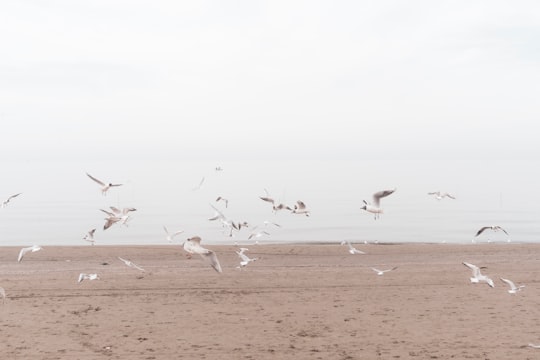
(59, 203)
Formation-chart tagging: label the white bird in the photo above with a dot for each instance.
(441, 195)
(170, 236)
(193, 246)
(275, 208)
(257, 234)
(117, 215)
(104, 186)
(25, 250)
(83, 276)
(90, 236)
(513, 288)
(381, 272)
(494, 228)
(5, 202)
(131, 264)
(300, 208)
(244, 259)
(478, 276)
(352, 249)
(375, 207)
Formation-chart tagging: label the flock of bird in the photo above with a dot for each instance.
(193, 244)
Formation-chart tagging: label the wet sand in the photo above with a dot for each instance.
(295, 302)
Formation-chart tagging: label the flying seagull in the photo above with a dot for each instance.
(381, 272)
(478, 276)
(441, 195)
(375, 207)
(352, 249)
(104, 186)
(25, 250)
(513, 288)
(244, 259)
(170, 236)
(494, 228)
(193, 246)
(5, 202)
(117, 215)
(300, 208)
(131, 264)
(90, 236)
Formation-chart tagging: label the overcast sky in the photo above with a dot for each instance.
(249, 79)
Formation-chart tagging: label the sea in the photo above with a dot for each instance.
(59, 203)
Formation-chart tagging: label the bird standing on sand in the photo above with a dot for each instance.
(104, 186)
(375, 206)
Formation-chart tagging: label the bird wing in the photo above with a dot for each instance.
(211, 257)
(475, 269)
(270, 200)
(96, 180)
(500, 228)
(22, 252)
(482, 230)
(300, 205)
(510, 283)
(380, 194)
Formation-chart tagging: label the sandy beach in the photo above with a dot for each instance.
(294, 302)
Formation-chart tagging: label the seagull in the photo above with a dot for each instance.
(513, 288)
(104, 186)
(199, 185)
(23, 251)
(170, 236)
(130, 264)
(352, 249)
(375, 207)
(478, 276)
(381, 272)
(117, 215)
(245, 260)
(193, 246)
(300, 208)
(441, 195)
(275, 207)
(224, 200)
(257, 234)
(90, 236)
(494, 228)
(4, 204)
(83, 276)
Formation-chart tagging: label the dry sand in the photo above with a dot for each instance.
(295, 302)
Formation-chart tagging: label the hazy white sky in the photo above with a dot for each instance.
(294, 79)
